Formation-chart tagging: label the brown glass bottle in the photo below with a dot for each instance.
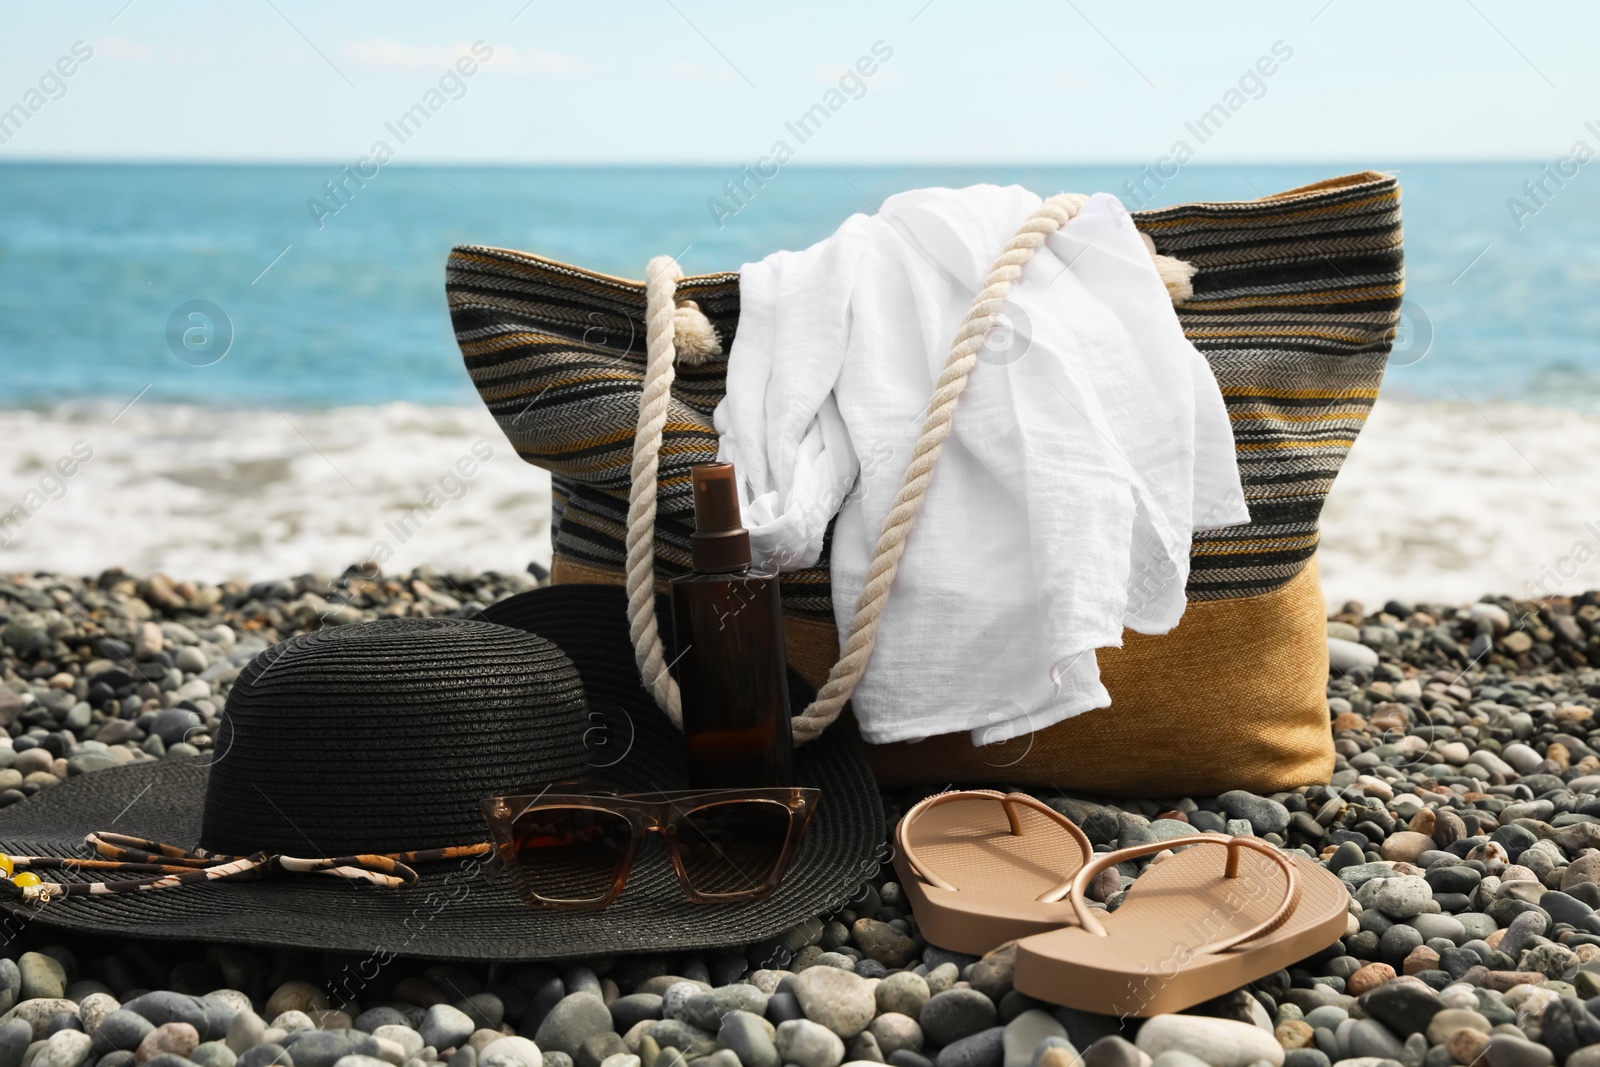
(731, 670)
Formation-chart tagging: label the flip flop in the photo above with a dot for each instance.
(982, 868)
(1196, 925)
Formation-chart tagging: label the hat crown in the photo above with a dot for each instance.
(384, 737)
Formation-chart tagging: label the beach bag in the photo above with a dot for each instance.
(1295, 301)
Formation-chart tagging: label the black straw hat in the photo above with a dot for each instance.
(382, 737)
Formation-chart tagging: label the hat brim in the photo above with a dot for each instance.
(460, 910)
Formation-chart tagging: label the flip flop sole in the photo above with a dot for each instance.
(1153, 958)
(998, 875)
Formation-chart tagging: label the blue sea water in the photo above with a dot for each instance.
(100, 266)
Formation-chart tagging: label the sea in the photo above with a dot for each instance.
(248, 370)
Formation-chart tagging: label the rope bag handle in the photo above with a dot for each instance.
(680, 332)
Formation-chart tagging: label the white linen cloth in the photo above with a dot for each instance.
(1090, 443)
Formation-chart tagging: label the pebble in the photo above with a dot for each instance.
(295, 996)
(751, 1038)
(809, 1044)
(1508, 1050)
(179, 1039)
(513, 1051)
(245, 1031)
(121, 1030)
(42, 976)
(1114, 1051)
(213, 1054)
(894, 1031)
(445, 1027)
(64, 1048)
(266, 1055)
(904, 992)
(839, 1000)
(956, 1013)
(986, 1048)
(323, 1048)
(574, 1019)
(1025, 1033)
(38, 1013)
(1218, 1042)
(405, 1038)
(1464, 765)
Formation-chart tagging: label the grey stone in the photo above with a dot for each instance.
(324, 1048)
(42, 976)
(956, 1013)
(1113, 1051)
(1368, 1037)
(445, 1026)
(245, 1031)
(675, 1033)
(751, 1038)
(840, 1000)
(121, 1030)
(1219, 1042)
(904, 992)
(163, 1007)
(15, 1037)
(894, 1031)
(634, 1008)
(269, 1055)
(574, 1018)
(64, 1048)
(407, 1039)
(1405, 1007)
(863, 1049)
(706, 1010)
(38, 1013)
(1026, 1032)
(213, 1054)
(1345, 656)
(373, 1018)
(163, 1059)
(986, 1048)
(1508, 1050)
(1264, 815)
(486, 1010)
(809, 1044)
(10, 982)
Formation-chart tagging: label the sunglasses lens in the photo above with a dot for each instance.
(732, 849)
(569, 855)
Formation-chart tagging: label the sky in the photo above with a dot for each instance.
(708, 81)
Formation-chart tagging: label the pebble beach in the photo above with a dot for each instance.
(1463, 816)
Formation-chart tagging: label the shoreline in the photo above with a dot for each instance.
(1439, 501)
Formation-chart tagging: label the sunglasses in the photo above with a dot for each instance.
(573, 849)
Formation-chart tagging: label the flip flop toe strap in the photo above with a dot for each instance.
(1011, 803)
(1236, 847)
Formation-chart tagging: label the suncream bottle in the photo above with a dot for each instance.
(731, 668)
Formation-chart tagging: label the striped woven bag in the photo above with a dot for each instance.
(1296, 300)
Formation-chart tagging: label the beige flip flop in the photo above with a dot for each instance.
(1195, 925)
(981, 867)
